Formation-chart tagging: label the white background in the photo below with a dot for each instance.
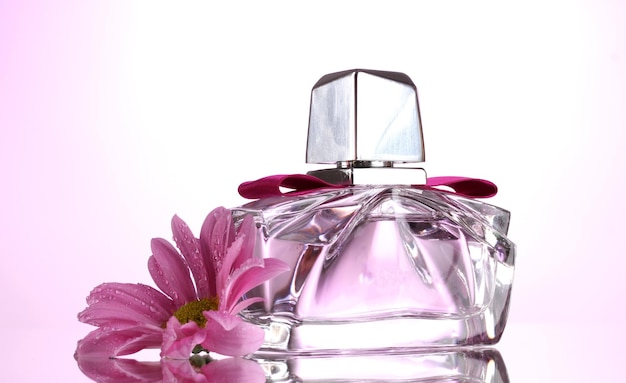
(116, 115)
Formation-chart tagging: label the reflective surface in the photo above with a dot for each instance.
(541, 353)
(477, 366)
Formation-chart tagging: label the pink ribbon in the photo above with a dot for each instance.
(303, 184)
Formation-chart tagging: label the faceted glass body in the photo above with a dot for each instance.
(381, 268)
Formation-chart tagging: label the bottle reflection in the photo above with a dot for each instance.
(450, 365)
(439, 366)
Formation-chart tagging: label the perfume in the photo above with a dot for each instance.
(381, 259)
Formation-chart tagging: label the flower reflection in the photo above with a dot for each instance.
(224, 370)
(198, 369)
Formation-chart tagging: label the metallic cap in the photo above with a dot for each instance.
(364, 118)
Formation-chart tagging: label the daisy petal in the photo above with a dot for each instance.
(121, 305)
(241, 249)
(216, 235)
(179, 340)
(247, 231)
(225, 271)
(108, 343)
(225, 321)
(243, 304)
(250, 276)
(170, 272)
(189, 247)
(113, 316)
(230, 335)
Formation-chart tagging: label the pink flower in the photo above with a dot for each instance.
(201, 290)
(121, 370)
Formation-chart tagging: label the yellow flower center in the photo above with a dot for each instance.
(192, 311)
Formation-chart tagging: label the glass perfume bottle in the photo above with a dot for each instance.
(380, 259)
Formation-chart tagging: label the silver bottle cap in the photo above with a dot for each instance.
(364, 119)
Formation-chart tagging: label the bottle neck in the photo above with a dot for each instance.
(372, 173)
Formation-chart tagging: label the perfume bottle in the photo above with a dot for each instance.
(380, 259)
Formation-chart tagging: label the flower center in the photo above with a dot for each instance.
(192, 311)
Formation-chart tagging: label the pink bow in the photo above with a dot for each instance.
(303, 184)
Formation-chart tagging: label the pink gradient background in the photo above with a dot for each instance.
(116, 115)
